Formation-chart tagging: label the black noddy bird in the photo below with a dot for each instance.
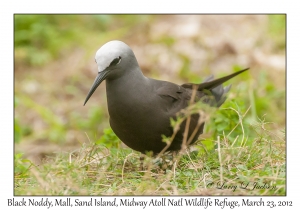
(140, 108)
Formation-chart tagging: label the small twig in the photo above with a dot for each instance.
(160, 186)
(88, 137)
(124, 165)
(192, 161)
(240, 120)
(94, 160)
(188, 121)
(234, 140)
(40, 180)
(204, 182)
(202, 118)
(168, 143)
(220, 160)
(174, 171)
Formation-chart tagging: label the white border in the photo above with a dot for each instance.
(235, 6)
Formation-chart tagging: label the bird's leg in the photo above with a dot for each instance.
(142, 158)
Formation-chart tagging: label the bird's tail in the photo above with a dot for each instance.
(219, 92)
(215, 86)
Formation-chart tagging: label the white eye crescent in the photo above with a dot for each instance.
(116, 61)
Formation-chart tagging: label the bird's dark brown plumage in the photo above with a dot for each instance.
(140, 108)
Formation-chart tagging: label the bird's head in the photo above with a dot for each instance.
(113, 59)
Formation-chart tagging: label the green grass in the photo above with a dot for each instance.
(96, 170)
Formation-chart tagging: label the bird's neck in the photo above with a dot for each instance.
(126, 86)
(126, 92)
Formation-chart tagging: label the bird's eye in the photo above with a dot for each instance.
(115, 61)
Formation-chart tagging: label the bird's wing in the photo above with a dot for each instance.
(172, 98)
(171, 90)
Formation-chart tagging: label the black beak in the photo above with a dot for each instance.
(100, 77)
